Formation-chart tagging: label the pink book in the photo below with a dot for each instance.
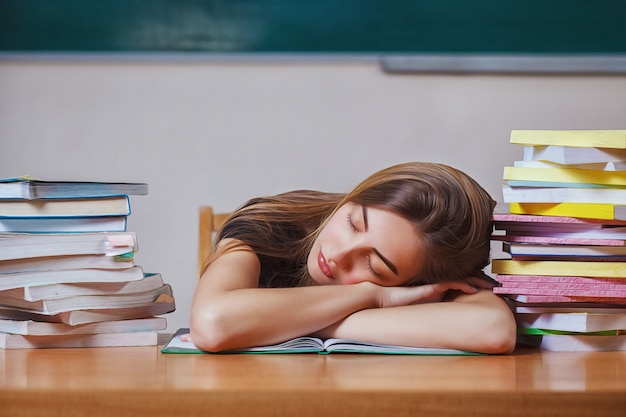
(565, 286)
(551, 240)
(529, 218)
(588, 292)
(541, 299)
(558, 280)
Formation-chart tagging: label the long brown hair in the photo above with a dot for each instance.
(450, 209)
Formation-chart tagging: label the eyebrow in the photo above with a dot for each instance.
(387, 262)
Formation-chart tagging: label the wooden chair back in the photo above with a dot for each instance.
(209, 223)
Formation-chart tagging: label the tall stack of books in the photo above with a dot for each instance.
(68, 277)
(565, 234)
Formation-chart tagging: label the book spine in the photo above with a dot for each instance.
(574, 138)
(613, 178)
(559, 268)
(580, 210)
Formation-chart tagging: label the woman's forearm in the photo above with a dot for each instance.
(479, 322)
(252, 316)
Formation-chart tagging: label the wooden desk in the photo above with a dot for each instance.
(141, 381)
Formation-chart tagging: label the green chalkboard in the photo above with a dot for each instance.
(314, 26)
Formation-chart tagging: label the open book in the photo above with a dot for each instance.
(315, 345)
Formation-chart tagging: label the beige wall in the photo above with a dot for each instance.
(218, 132)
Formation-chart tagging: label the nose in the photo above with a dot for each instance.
(345, 257)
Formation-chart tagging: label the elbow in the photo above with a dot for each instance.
(501, 336)
(208, 332)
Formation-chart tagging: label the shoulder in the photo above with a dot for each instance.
(235, 263)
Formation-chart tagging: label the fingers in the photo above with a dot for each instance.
(485, 283)
(427, 293)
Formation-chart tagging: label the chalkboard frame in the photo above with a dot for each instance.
(566, 36)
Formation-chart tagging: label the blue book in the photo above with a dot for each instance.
(31, 189)
(63, 225)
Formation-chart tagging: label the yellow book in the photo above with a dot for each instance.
(559, 268)
(580, 210)
(574, 138)
(568, 175)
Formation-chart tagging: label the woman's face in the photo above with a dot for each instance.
(366, 244)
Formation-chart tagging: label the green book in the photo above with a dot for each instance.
(532, 331)
(315, 345)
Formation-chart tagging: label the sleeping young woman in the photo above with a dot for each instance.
(398, 260)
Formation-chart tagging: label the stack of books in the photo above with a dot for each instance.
(565, 234)
(68, 276)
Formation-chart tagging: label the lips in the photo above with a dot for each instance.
(324, 267)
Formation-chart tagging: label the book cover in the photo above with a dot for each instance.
(150, 282)
(575, 138)
(571, 231)
(65, 262)
(616, 196)
(505, 218)
(85, 302)
(16, 341)
(562, 280)
(314, 345)
(601, 211)
(590, 252)
(559, 268)
(568, 155)
(38, 328)
(63, 225)
(582, 322)
(545, 290)
(574, 343)
(47, 277)
(589, 308)
(162, 305)
(566, 175)
(30, 189)
(565, 299)
(29, 245)
(559, 240)
(603, 166)
(556, 184)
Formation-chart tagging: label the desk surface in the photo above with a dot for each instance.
(141, 381)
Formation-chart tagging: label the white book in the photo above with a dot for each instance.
(29, 245)
(22, 279)
(163, 305)
(150, 282)
(51, 263)
(600, 166)
(85, 302)
(575, 343)
(573, 155)
(30, 189)
(573, 322)
(529, 249)
(63, 225)
(15, 341)
(72, 207)
(38, 328)
(563, 195)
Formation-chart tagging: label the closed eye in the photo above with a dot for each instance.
(351, 223)
(371, 268)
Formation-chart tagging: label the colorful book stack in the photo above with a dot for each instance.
(565, 232)
(67, 272)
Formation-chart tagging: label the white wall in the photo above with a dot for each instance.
(219, 133)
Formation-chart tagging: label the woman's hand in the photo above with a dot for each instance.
(428, 293)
